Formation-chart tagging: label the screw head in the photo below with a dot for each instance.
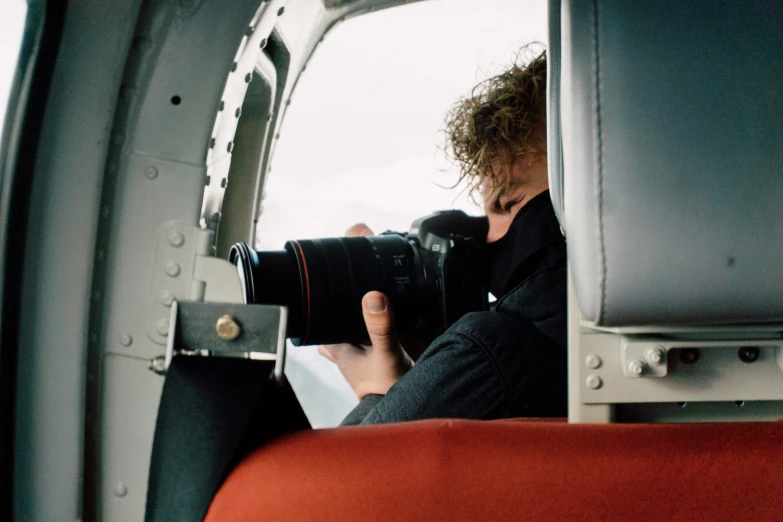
(120, 489)
(176, 238)
(592, 361)
(126, 339)
(593, 382)
(172, 269)
(227, 328)
(690, 355)
(636, 367)
(166, 298)
(151, 173)
(163, 327)
(655, 354)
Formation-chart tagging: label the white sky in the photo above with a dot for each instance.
(12, 14)
(360, 141)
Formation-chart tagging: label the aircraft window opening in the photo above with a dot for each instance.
(363, 141)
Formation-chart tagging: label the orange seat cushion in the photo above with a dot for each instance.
(511, 470)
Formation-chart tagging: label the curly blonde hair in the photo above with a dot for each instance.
(503, 120)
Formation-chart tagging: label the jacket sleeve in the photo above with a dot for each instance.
(488, 365)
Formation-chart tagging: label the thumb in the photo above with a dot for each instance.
(379, 319)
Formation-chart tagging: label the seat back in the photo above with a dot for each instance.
(672, 177)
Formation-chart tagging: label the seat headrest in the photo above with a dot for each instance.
(671, 117)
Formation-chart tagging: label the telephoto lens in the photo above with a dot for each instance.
(322, 282)
(432, 276)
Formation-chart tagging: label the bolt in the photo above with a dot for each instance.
(158, 365)
(263, 43)
(176, 238)
(281, 11)
(249, 31)
(207, 180)
(173, 269)
(121, 489)
(654, 354)
(163, 327)
(166, 298)
(212, 143)
(248, 77)
(636, 367)
(227, 328)
(222, 106)
(126, 339)
(229, 146)
(593, 382)
(151, 173)
(749, 354)
(238, 112)
(233, 66)
(223, 183)
(593, 361)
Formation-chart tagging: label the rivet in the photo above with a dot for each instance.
(126, 339)
(248, 31)
(654, 354)
(248, 77)
(163, 327)
(288, 102)
(223, 183)
(229, 146)
(120, 489)
(263, 43)
(206, 181)
(151, 173)
(222, 106)
(690, 355)
(238, 112)
(593, 361)
(227, 328)
(172, 269)
(277, 136)
(281, 11)
(234, 67)
(212, 143)
(269, 116)
(593, 382)
(176, 238)
(636, 367)
(166, 298)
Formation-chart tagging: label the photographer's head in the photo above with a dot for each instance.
(498, 139)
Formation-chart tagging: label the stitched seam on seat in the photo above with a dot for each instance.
(599, 166)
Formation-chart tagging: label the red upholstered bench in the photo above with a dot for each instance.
(512, 470)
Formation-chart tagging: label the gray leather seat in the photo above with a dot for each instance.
(671, 181)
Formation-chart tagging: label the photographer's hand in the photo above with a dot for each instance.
(371, 369)
(375, 368)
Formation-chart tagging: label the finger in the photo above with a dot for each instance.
(379, 319)
(359, 230)
(326, 352)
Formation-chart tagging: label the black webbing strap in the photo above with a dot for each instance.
(213, 411)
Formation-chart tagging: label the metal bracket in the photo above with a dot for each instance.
(184, 269)
(228, 330)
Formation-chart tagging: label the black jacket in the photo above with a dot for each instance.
(509, 362)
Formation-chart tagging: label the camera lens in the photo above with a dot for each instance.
(322, 282)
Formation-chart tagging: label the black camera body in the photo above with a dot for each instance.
(432, 275)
